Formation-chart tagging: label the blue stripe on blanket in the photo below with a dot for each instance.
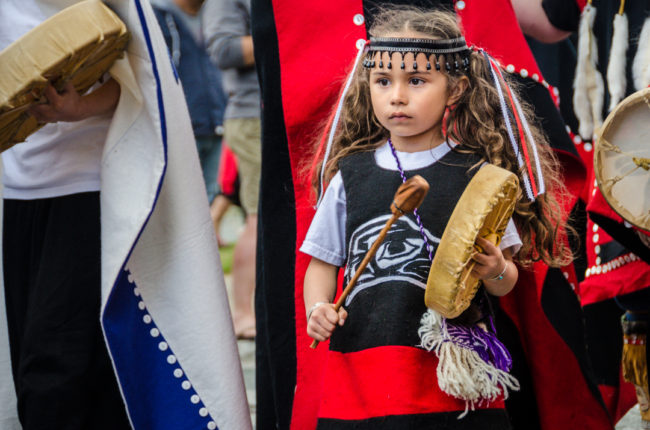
(156, 389)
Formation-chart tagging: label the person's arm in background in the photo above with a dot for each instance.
(548, 21)
(190, 7)
(247, 50)
(226, 28)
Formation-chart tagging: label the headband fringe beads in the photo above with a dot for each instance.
(455, 51)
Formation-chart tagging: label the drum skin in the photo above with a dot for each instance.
(484, 209)
(78, 44)
(622, 159)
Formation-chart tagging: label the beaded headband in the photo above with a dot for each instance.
(455, 51)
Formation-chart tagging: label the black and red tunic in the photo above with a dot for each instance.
(375, 375)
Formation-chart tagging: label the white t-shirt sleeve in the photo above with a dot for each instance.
(511, 238)
(325, 238)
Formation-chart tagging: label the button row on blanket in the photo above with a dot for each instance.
(171, 358)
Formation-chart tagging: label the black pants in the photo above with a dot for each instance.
(61, 369)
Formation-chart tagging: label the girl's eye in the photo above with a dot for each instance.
(416, 81)
(383, 82)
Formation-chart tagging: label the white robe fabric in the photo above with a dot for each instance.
(165, 310)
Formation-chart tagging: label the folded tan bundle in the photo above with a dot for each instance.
(78, 44)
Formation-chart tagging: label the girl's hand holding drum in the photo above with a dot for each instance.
(492, 267)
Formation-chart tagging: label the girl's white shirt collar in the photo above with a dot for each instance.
(411, 160)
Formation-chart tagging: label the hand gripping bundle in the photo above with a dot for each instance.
(78, 44)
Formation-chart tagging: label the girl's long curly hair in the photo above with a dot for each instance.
(475, 122)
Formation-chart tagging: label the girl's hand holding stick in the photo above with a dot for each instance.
(408, 197)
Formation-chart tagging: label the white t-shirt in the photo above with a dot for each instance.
(325, 238)
(59, 159)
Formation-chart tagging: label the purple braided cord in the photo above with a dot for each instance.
(415, 211)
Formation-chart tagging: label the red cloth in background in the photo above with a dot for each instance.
(227, 171)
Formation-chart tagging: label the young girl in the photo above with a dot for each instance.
(423, 103)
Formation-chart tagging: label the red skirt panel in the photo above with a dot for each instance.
(383, 381)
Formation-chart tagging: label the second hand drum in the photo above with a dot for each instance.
(78, 44)
(622, 159)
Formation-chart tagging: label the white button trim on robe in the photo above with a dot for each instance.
(171, 358)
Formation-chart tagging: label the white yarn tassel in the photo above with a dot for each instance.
(616, 80)
(461, 372)
(430, 330)
(641, 64)
(588, 85)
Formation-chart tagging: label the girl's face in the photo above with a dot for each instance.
(410, 103)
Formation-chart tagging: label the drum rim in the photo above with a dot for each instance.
(641, 96)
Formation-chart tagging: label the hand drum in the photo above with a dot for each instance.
(622, 159)
(483, 210)
(80, 44)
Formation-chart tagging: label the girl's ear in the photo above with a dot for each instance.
(457, 91)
